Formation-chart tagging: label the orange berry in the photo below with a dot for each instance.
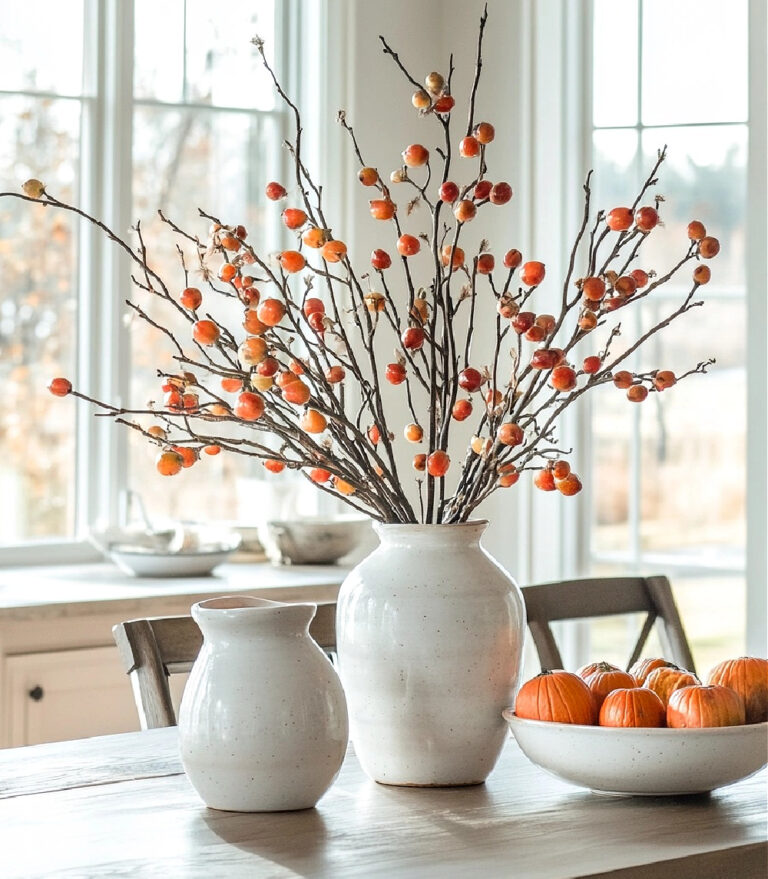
(563, 378)
(60, 387)
(205, 332)
(702, 274)
(544, 480)
(561, 469)
(420, 462)
(485, 263)
(469, 147)
(664, 379)
(592, 364)
(315, 237)
(313, 421)
(292, 261)
(252, 351)
(333, 251)
(484, 132)
(512, 259)
(187, 454)
(249, 406)
(296, 392)
(294, 218)
(157, 431)
(640, 278)
(637, 393)
(273, 465)
(696, 230)
(227, 272)
(369, 176)
(709, 247)
(510, 434)
(211, 450)
(569, 486)
(335, 374)
(285, 378)
(532, 274)
(508, 475)
(453, 255)
(438, 463)
(465, 211)
(252, 324)
(342, 486)
(382, 209)
(619, 219)
(622, 379)
(587, 320)
(271, 312)
(646, 218)
(415, 155)
(191, 298)
(462, 409)
(318, 474)
(374, 434)
(408, 245)
(444, 104)
(169, 463)
(414, 433)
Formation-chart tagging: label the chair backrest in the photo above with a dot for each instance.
(153, 649)
(606, 596)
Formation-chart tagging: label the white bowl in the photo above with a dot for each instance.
(147, 563)
(317, 541)
(643, 761)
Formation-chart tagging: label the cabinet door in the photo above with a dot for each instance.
(69, 694)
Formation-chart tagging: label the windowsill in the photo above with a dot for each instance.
(90, 587)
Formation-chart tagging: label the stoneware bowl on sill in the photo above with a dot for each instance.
(313, 541)
(184, 550)
(651, 762)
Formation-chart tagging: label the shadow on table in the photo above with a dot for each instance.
(291, 839)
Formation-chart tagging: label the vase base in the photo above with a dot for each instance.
(430, 784)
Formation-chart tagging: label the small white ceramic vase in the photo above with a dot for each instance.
(263, 719)
(430, 635)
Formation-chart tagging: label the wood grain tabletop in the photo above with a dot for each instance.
(119, 806)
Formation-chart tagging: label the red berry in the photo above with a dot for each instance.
(205, 332)
(593, 289)
(563, 378)
(512, 259)
(591, 364)
(449, 192)
(465, 211)
(275, 191)
(484, 132)
(637, 393)
(485, 263)
(408, 245)
(544, 358)
(380, 259)
(696, 230)
(249, 406)
(368, 176)
(501, 193)
(622, 379)
(469, 147)
(544, 480)
(462, 409)
(523, 321)
(483, 190)
(191, 298)
(709, 247)
(415, 155)
(438, 463)
(444, 104)
(382, 208)
(294, 218)
(60, 387)
(646, 218)
(412, 338)
(470, 379)
(312, 304)
(619, 219)
(532, 274)
(395, 373)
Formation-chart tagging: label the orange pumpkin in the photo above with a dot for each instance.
(604, 680)
(643, 667)
(636, 706)
(586, 670)
(665, 680)
(702, 706)
(556, 696)
(748, 676)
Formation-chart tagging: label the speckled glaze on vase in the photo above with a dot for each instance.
(430, 635)
(263, 720)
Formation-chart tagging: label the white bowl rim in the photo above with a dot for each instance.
(513, 720)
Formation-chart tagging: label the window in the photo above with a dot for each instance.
(120, 109)
(669, 477)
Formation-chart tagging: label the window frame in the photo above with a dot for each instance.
(101, 481)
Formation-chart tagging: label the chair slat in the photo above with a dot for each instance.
(154, 648)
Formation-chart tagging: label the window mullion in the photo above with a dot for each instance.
(104, 355)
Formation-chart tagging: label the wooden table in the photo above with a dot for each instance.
(120, 805)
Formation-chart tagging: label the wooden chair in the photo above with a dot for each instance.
(606, 596)
(153, 649)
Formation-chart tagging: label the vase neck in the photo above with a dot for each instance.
(234, 614)
(431, 536)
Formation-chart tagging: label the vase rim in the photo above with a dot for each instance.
(240, 604)
(472, 523)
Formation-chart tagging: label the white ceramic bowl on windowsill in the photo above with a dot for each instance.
(660, 762)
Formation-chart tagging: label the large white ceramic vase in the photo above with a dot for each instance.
(430, 634)
(263, 719)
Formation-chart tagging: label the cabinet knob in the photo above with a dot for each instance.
(36, 693)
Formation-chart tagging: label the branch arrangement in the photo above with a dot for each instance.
(301, 383)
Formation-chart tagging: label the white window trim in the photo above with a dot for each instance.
(103, 370)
